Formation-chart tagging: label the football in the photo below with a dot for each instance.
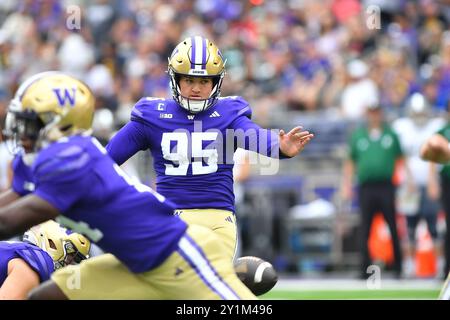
(257, 274)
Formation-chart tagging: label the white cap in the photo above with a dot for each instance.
(357, 69)
(417, 104)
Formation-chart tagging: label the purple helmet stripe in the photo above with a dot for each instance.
(204, 47)
(193, 53)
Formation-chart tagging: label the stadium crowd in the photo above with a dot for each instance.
(283, 56)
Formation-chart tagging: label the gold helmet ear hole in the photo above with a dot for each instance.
(52, 244)
(65, 128)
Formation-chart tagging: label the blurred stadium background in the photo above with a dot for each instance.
(291, 60)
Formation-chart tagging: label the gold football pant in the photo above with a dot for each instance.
(197, 270)
(222, 222)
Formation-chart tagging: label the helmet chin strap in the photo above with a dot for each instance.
(200, 105)
(193, 106)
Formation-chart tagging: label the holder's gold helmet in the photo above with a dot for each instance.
(64, 247)
(47, 107)
(196, 57)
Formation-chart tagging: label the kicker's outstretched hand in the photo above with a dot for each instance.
(436, 149)
(293, 142)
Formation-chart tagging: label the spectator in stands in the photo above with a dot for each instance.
(360, 93)
(413, 130)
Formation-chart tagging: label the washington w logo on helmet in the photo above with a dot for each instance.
(46, 107)
(66, 96)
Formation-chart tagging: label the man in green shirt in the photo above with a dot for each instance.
(374, 151)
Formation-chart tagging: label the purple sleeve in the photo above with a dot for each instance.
(18, 178)
(38, 259)
(22, 177)
(63, 178)
(250, 136)
(62, 195)
(127, 142)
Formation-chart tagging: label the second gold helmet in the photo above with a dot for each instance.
(63, 246)
(48, 106)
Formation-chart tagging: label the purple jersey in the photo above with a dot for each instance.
(193, 154)
(23, 182)
(39, 260)
(97, 199)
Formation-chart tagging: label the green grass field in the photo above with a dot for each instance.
(353, 289)
(352, 294)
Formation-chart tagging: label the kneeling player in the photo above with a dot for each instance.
(45, 247)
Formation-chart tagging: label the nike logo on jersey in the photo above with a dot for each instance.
(215, 114)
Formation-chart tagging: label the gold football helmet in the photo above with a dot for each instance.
(64, 247)
(47, 107)
(196, 57)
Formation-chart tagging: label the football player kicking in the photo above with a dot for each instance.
(192, 139)
(45, 248)
(152, 253)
